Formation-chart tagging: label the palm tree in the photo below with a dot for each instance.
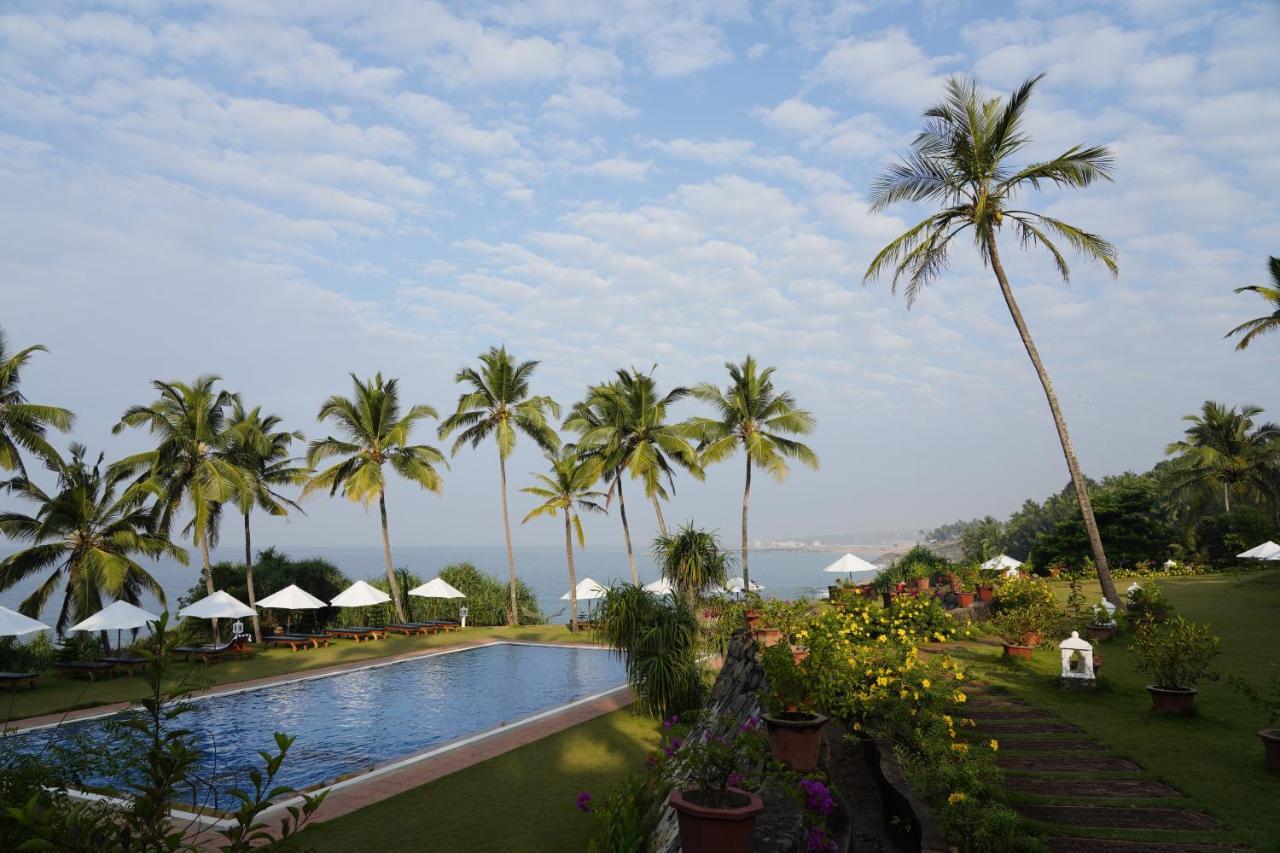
(1268, 322)
(191, 463)
(23, 425)
(89, 533)
(753, 415)
(567, 491)
(961, 161)
(1224, 450)
(261, 450)
(499, 405)
(692, 561)
(374, 434)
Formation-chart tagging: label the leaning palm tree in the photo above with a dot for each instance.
(962, 162)
(191, 463)
(750, 413)
(499, 406)
(260, 449)
(1268, 322)
(691, 560)
(24, 425)
(88, 531)
(373, 435)
(567, 491)
(1225, 451)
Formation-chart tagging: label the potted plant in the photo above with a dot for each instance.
(794, 726)
(963, 580)
(985, 588)
(1103, 626)
(919, 576)
(1176, 654)
(1268, 700)
(1146, 604)
(714, 814)
(1019, 629)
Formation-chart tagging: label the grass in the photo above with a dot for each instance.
(55, 695)
(520, 800)
(1215, 758)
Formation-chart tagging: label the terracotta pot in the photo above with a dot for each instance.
(1173, 701)
(922, 584)
(710, 830)
(1271, 743)
(965, 599)
(1015, 651)
(1033, 639)
(1099, 632)
(767, 636)
(986, 593)
(799, 653)
(752, 617)
(795, 739)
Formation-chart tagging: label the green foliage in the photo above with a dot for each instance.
(1133, 523)
(788, 682)
(1176, 654)
(1220, 537)
(920, 562)
(1145, 601)
(691, 559)
(24, 426)
(1258, 326)
(32, 655)
(1018, 626)
(274, 570)
(1266, 699)
(657, 639)
(1013, 593)
(486, 598)
(982, 539)
(713, 758)
(623, 817)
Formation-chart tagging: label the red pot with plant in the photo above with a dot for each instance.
(716, 813)
(1176, 654)
(964, 599)
(1012, 650)
(986, 592)
(922, 584)
(793, 723)
(766, 637)
(725, 827)
(1173, 700)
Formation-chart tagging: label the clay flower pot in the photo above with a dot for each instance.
(1033, 639)
(922, 584)
(1177, 701)
(795, 739)
(965, 599)
(986, 593)
(704, 829)
(1099, 632)
(1271, 743)
(1015, 651)
(767, 636)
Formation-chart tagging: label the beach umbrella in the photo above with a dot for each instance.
(360, 594)
(437, 588)
(14, 624)
(661, 586)
(219, 605)
(848, 564)
(291, 598)
(588, 590)
(117, 616)
(734, 586)
(1265, 551)
(1003, 563)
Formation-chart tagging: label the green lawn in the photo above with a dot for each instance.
(58, 694)
(1215, 758)
(521, 800)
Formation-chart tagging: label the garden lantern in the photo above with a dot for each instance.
(1077, 662)
(462, 615)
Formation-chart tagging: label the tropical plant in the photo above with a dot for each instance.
(1260, 326)
(1176, 654)
(24, 425)
(709, 762)
(260, 449)
(962, 162)
(487, 598)
(499, 406)
(1226, 451)
(566, 492)
(657, 639)
(374, 434)
(750, 413)
(89, 532)
(692, 561)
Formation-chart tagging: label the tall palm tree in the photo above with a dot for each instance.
(89, 532)
(499, 405)
(261, 450)
(692, 561)
(1226, 451)
(1268, 322)
(191, 462)
(750, 413)
(567, 491)
(23, 425)
(962, 162)
(374, 434)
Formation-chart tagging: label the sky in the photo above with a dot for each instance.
(283, 193)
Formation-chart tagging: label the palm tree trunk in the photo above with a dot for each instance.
(1073, 465)
(746, 500)
(662, 522)
(626, 530)
(248, 579)
(513, 615)
(386, 555)
(573, 575)
(1226, 497)
(207, 568)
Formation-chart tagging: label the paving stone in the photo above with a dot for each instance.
(1065, 844)
(1070, 764)
(997, 728)
(1100, 788)
(994, 713)
(1022, 744)
(1110, 817)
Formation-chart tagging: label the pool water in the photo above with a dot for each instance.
(358, 719)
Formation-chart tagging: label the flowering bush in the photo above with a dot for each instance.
(715, 759)
(1021, 591)
(906, 620)
(818, 804)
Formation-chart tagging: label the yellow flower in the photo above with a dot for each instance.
(995, 744)
(956, 797)
(959, 697)
(959, 747)
(926, 684)
(857, 727)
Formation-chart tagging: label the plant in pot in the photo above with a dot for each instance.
(1268, 701)
(1146, 604)
(1019, 628)
(794, 726)
(754, 604)
(1176, 654)
(714, 813)
(1102, 625)
(964, 580)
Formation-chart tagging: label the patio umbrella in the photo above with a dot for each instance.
(1265, 551)
(436, 588)
(1003, 563)
(360, 594)
(734, 586)
(117, 616)
(661, 586)
(588, 590)
(291, 598)
(848, 564)
(219, 605)
(14, 624)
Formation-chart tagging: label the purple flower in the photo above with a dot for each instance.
(670, 721)
(750, 724)
(584, 801)
(735, 779)
(818, 841)
(817, 797)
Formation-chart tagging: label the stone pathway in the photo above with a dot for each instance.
(1074, 789)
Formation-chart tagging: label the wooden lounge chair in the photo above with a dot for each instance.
(445, 624)
(212, 654)
(294, 641)
(90, 668)
(359, 634)
(13, 679)
(316, 639)
(408, 628)
(128, 665)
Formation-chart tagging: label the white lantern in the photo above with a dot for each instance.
(1077, 661)
(462, 614)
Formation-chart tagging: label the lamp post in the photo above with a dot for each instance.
(462, 615)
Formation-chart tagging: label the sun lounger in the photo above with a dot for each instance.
(445, 624)
(129, 665)
(13, 679)
(91, 668)
(296, 641)
(211, 654)
(407, 628)
(359, 634)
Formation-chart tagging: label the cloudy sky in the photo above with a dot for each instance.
(282, 193)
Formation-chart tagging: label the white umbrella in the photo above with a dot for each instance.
(219, 605)
(14, 624)
(291, 598)
(1265, 551)
(848, 564)
(436, 588)
(1003, 563)
(661, 586)
(735, 586)
(117, 616)
(588, 590)
(360, 594)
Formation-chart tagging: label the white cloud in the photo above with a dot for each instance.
(718, 151)
(620, 168)
(889, 68)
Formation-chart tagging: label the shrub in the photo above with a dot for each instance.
(1176, 654)
(1145, 601)
(487, 598)
(1014, 593)
(1020, 625)
(657, 639)
(31, 656)
(918, 619)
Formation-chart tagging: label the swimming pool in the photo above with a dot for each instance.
(356, 720)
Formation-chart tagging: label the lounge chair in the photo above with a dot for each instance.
(211, 653)
(359, 634)
(445, 624)
(13, 679)
(407, 628)
(295, 641)
(129, 665)
(91, 668)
